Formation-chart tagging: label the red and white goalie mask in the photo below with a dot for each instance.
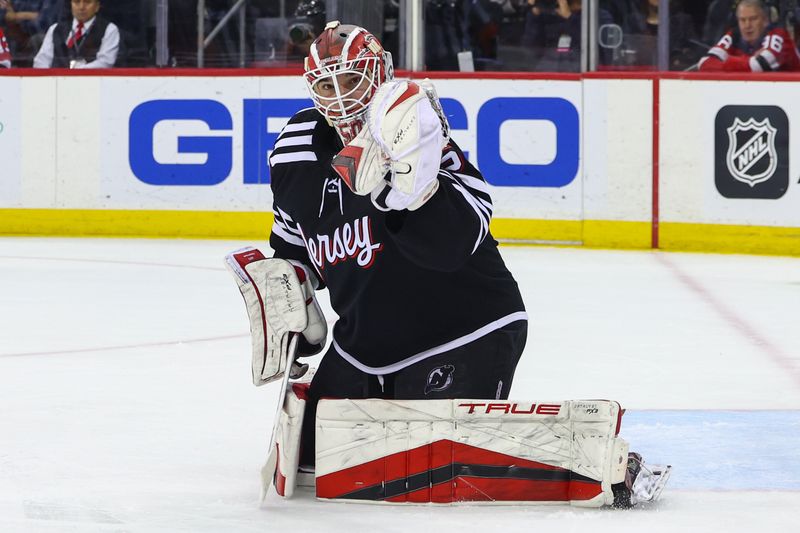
(345, 66)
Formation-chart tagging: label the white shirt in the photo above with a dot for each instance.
(106, 55)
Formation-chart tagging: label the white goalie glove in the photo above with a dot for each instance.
(280, 302)
(396, 158)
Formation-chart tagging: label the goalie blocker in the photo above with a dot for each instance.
(450, 451)
(280, 301)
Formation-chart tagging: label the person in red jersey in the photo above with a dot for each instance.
(5, 53)
(754, 45)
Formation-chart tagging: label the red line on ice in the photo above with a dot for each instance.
(742, 326)
(128, 346)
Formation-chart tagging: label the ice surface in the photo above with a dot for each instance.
(126, 402)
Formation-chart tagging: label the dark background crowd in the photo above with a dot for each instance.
(502, 35)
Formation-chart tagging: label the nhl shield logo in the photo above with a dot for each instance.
(751, 150)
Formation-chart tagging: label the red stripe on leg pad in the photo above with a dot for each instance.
(439, 454)
(280, 479)
(301, 390)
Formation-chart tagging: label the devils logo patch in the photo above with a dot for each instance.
(440, 378)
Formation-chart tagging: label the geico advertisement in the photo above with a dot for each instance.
(204, 143)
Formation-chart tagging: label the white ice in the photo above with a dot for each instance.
(126, 402)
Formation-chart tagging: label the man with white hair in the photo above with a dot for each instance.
(755, 45)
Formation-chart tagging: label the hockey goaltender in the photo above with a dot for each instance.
(375, 201)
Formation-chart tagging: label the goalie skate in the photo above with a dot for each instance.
(643, 483)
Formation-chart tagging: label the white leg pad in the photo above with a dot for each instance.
(449, 451)
(287, 442)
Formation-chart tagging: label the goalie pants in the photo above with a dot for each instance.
(482, 369)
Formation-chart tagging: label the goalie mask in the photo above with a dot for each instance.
(345, 66)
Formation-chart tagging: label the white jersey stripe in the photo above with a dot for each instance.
(771, 59)
(473, 182)
(720, 54)
(277, 159)
(299, 126)
(446, 347)
(279, 230)
(473, 201)
(488, 205)
(284, 215)
(284, 219)
(300, 140)
(484, 229)
(480, 206)
(286, 227)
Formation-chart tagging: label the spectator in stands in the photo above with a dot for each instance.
(719, 17)
(682, 53)
(5, 53)
(132, 18)
(87, 41)
(25, 23)
(549, 21)
(754, 45)
(624, 13)
(479, 29)
(639, 22)
(444, 23)
(553, 32)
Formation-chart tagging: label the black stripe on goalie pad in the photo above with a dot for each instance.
(447, 473)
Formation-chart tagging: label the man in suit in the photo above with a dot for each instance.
(87, 41)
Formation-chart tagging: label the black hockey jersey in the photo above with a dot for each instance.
(406, 284)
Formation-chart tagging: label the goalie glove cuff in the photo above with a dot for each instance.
(387, 198)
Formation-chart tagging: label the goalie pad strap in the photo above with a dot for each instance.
(446, 451)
